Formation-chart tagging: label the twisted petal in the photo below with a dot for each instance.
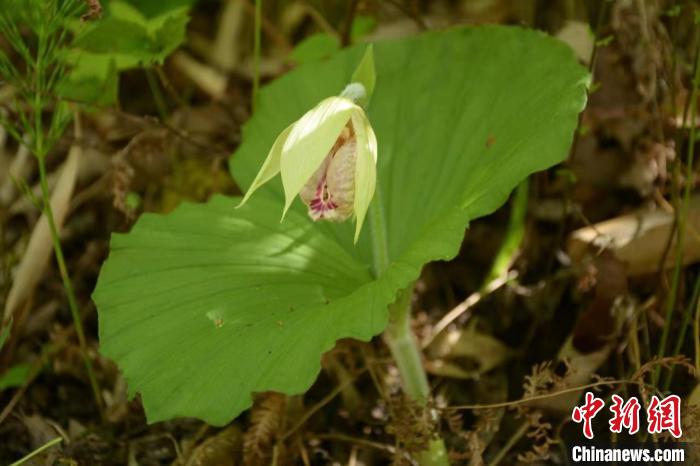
(271, 165)
(309, 141)
(365, 167)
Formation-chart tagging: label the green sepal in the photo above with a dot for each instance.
(366, 75)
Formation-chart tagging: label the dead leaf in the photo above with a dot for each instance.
(639, 239)
(35, 258)
(578, 36)
(223, 449)
(466, 354)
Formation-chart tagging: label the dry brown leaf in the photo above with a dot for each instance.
(639, 239)
(466, 354)
(578, 36)
(223, 449)
(266, 423)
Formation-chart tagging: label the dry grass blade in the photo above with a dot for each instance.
(40, 247)
(208, 79)
(465, 306)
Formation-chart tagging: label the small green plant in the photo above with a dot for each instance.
(36, 81)
(130, 34)
(210, 304)
(65, 53)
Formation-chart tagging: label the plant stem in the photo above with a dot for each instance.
(158, 98)
(514, 236)
(38, 451)
(43, 70)
(398, 335)
(517, 435)
(67, 284)
(687, 322)
(256, 53)
(40, 148)
(404, 348)
(682, 217)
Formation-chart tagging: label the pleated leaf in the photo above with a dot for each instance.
(207, 305)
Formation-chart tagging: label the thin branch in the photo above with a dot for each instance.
(506, 404)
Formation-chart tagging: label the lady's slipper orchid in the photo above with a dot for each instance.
(328, 157)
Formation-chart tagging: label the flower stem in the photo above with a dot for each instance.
(404, 349)
(398, 335)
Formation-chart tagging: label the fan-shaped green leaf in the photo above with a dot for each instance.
(204, 306)
(228, 302)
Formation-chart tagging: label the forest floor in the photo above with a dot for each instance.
(570, 312)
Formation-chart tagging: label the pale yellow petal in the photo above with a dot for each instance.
(365, 168)
(310, 140)
(271, 165)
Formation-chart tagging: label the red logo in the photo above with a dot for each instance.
(665, 415)
(625, 415)
(587, 412)
(662, 415)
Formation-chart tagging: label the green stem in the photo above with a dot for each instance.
(38, 451)
(681, 219)
(517, 435)
(404, 348)
(40, 150)
(67, 284)
(514, 236)
(256, 53)
(43, 68)
(398, 335)
(158, 98)
(687, 322)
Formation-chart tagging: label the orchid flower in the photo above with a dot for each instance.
(328, 157)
